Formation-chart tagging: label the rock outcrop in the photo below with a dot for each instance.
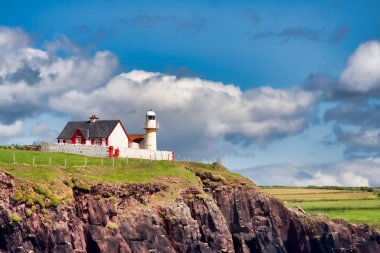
(213, 218)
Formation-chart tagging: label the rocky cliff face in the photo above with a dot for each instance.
(210, 218)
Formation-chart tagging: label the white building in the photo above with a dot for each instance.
(111, 138)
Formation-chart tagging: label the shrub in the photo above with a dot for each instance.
(113, 226)
(15, 217)
(28, 213)
(81, 186)
(55, 201)
(113, 200)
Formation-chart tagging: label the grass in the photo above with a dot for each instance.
(356, 205)
(370, 217)
(91, 168)
(48, 182)
(284, 191)
(326, 196)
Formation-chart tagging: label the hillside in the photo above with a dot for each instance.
(67, 203)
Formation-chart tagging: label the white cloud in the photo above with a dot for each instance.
(360, 172)
(28, 76)
(44, 131)
(363, 70)
(13, 38)
(194, 112)
(351, 179)
(12, 130)
(360, 140)
(318, 178)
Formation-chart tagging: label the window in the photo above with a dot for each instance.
(98, 142)
(151, 117)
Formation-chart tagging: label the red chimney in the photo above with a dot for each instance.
(93, 118)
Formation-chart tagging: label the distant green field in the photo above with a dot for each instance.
(352, 204)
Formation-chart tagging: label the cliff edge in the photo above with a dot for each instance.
(219, 212)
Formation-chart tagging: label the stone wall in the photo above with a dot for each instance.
(102, 151)
(89, 150)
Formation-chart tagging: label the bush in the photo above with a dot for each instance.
(113, 226)
(28, 213)
(113, 200)
(15, 217)
(82, 186)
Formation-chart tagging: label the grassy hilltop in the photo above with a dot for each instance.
(46, 178)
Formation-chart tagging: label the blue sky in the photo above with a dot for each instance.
(263, 84)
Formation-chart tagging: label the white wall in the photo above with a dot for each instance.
(118, 137)
(146, 154)
(102, 151)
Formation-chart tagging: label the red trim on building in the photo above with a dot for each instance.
(92, 141)
(107, 141)
(78, 134)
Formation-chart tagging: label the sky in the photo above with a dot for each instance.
(284, 92)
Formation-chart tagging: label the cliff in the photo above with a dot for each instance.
(218, 213)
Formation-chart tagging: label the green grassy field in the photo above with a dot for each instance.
(352, 204)
(49, 166)
(46, 178)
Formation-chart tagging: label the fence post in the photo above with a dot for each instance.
(113, 162)
(65, 162)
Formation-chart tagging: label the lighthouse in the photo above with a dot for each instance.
(151, 127)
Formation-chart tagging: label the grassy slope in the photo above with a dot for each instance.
(48, 182)
(352, 204)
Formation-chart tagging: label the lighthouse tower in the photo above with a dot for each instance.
(151, 127)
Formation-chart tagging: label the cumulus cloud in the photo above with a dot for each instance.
(359, 141)
(354, 100)
(360, 172)
(43, 131)
(196, 113)
(363, 71)
(12, 130)
(28, 76)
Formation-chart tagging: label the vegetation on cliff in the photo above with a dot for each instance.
(66, 203)
(47, 179)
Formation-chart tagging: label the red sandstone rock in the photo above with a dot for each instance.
(226, 220)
